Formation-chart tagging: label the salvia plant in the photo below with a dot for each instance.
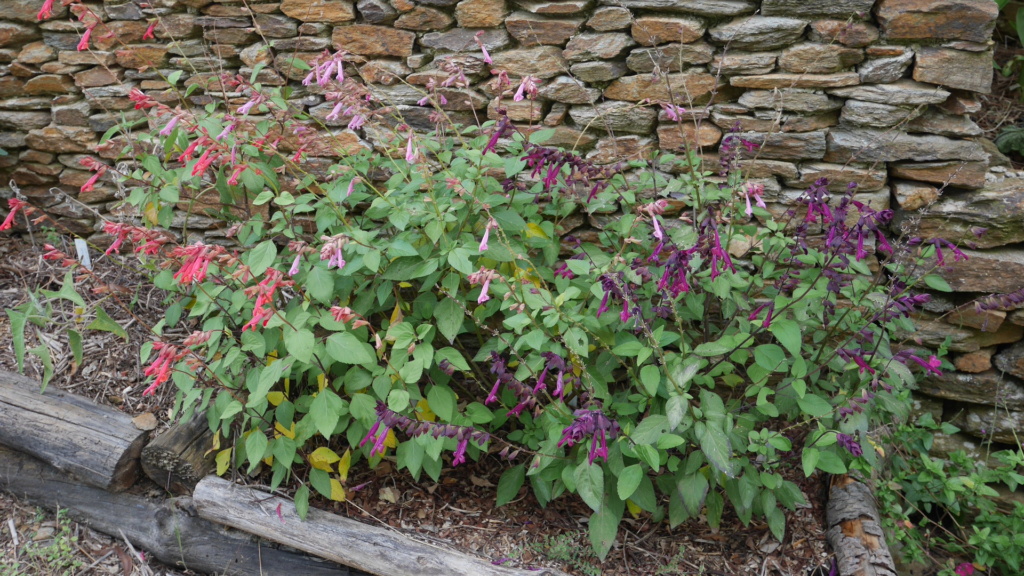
(421, 302)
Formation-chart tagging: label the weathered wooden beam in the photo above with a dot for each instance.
(179, 457)
(97, 444)
(169, 530)
(855, 530)
(373, 549)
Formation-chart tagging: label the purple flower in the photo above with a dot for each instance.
(591, 423)
(295, 265)
(849, 444)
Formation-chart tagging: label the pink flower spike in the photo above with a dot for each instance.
(483, 292)
(410, 152)
(295, 265)
(357, 122)
(83, 44)
(14, 205)
(335, 112)
(46, 11)
(487, 235)
(148, 35)
(166, 131)
(480, 43)
(351, 186)
(657, 229)
(88, 186)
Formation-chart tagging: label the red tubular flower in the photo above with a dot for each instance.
(163, 364)
(198, 258)
(148, 35)
(15, 205)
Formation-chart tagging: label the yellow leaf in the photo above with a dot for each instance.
(216, 444)
(269, 460)
(271, 357)
(396, 315)
(337, 492)
(286, 432)
(879, 449)
(344, 464)
(423, 411)
(223, 460)
(321, 382)
(322, 458)
(535, 231)
(391, 441)
(151, 213)
(404, 285)
(275, 398)
(634, 510)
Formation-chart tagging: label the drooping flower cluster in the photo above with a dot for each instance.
(264, 294)
(332, 250)
(16, 205)
(582, 174)
(483, 277)
(146, 241)
(325, 68)
(555, 363)
(160, 369)
(388, 420)
(525, 397)
(197, 257)
(597, 426)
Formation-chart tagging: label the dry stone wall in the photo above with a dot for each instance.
(877, 93)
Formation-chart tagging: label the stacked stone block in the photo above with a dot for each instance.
(873, 92)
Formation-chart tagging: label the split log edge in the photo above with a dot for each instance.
(373, 549)
(855, 530)
(97, 444)
(178, 458)
(168, 530)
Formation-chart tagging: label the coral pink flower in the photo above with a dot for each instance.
(46, 11)
(15, 205)
(148, 35)
(480, 43)
(83, 44)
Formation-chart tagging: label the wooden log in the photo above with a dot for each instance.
(97, 444)
(855, 530)
(374, 549)
(168, 530)
(177, 459)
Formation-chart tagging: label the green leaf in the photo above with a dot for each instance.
(325, 410)
(18, 321)
(650, 429)
(299, 344)
(770, 357)
(936, 282)
(43, 353)
(398, 400)
(648, 454)
(449, 318)
(541, 136)
(459, 259)
(604, 526)
(831, 463)
(629, 480)
(320, 284)
(442, 402)
(261, 257)
(650, 377)
(75, 342)
(693, 489)
(675, 410)
(787, 332)
(714, 443)
(590, 484)
(716, 348)
(809, 459)
(814, 406)
(105, 323)
(576, 340)
(255, 448)
(510, 483)
(302, 501)
(344, 347)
